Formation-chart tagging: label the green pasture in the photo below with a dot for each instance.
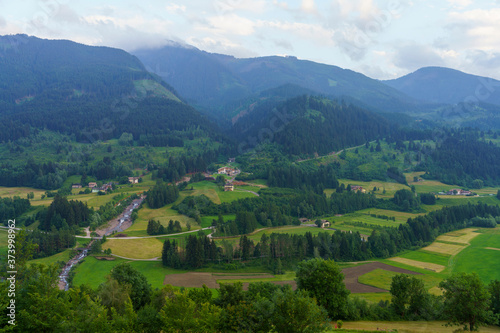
(381, 278)
(291, 230)
(206, 221)
(425, 256)
(140, 248)
(478, 258)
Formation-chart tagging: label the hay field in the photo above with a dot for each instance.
(463, 236)
(420, 264)
(438, 247)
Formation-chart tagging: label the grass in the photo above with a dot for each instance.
(444, 248)
(291, 230)
(477, 258)
(390, 187)
(420, 264)
(61, 256)
(93, 272)
(20, 192)
(381, 278)
(142, 248)
(407, 326)
(163, 215)
(206, 221)
(235, 195)
(424, 256)
(373, 297)
(462, 237)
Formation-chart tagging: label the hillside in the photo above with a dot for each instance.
(308, 125)
(214, 81)
(93, 93)
(446, 85)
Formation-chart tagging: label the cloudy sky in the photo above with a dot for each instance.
(382, 39)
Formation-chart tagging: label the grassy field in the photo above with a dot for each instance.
(292, 230)
(382, 279)
(62, 256)
(424, 256)
(407, 326)
(93, 272)
(420, 264)
(390, 188)
(164, 215)
(142, 248)
(20, 192)
(206, 221)
(478, 258)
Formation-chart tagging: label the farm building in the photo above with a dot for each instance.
(76, 186)
(458, 191)
(227, 171)
(133, 180)
(228, 187)
(358, 188)
(323, 224)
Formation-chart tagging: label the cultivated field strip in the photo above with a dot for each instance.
(419, 264)
(463, 236)
(444, 248)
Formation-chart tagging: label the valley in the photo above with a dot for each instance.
(220, 190)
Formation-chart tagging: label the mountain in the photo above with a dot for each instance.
(448, 86)
(307, 125)
(93, 93)
(217, 82)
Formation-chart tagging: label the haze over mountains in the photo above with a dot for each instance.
(226, 86)
(37, 73)
(93, 93)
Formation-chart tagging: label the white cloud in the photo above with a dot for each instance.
(412, 56)
(308, 6)
(308, 31)
(175, 8)
(231, 24)
(460, 3)
(476, 28)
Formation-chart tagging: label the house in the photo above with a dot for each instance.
(103, 188)
(323, 224)
(226, 171)
(357, 188)
(133, 180)
(92, 184)
(228, 187)
(76, 186)
(458, 191)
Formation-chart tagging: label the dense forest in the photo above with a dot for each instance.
(13, 208)
(463, 161)
(161, 194)
(64, 214)
(306, 125)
